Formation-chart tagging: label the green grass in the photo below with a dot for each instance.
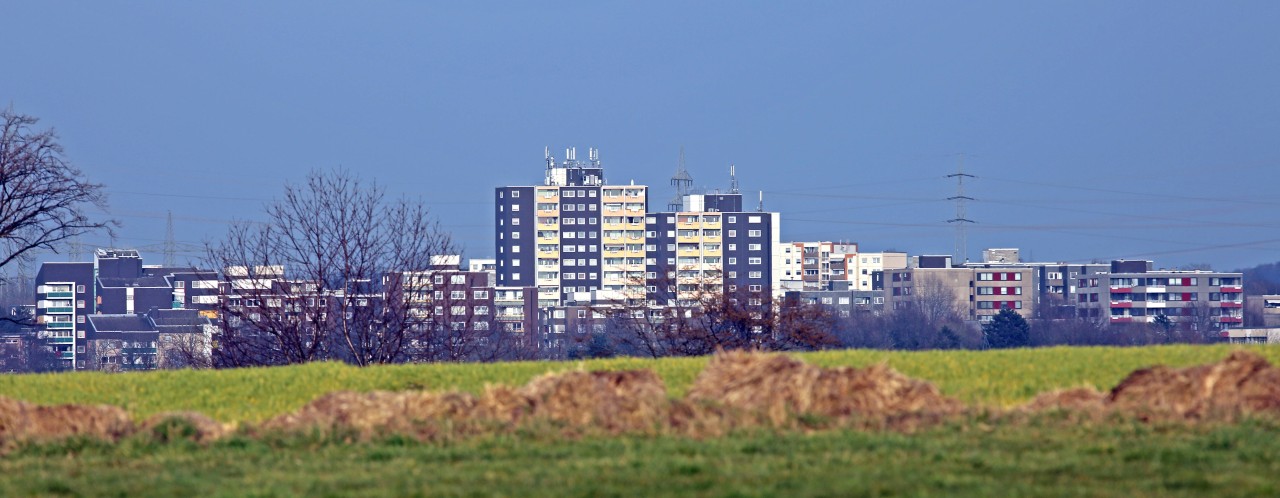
(1046, 459)
(995, 378)
(1043, 456)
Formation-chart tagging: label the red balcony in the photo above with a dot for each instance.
(1231, 319)
(1232, 288)
(1232, 304)
(1121, 304)
(1121, 319)
(1121, 289)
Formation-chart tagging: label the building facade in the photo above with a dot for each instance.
(1132, 292)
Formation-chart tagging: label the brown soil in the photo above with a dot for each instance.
(611, 401)
(781, 390)
(1242, 384)
(20, 421)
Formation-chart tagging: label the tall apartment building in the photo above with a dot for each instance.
(711, 246)
(1132, 292)
(572, 234)
(64, 293)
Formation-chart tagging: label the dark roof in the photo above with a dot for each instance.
(143, 281)
(120, 323)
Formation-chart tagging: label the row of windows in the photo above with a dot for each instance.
(710, 218)
(999, 291)
(991, 305)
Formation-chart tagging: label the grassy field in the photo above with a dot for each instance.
(1051, 459)
(1047, 455)
(994, 378)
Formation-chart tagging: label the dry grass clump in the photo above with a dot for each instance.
(378, 412)
(1242, 384)
(781, 391)
(633, 401)
(628, 401)
(22, 421)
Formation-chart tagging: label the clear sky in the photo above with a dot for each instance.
(1096, 129)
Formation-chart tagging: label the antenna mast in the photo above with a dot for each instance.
(682, 182)
(170, 247)
(76, 250)
(733, 181)
(961, 220)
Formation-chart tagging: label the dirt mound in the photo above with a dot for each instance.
(171, 426)
(20, 420)
(612, 401)
(378, 412)
(1243, 383)
(778, 389)
(627, 401)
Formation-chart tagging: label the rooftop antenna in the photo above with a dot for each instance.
(546, 154)
(961, 220)
(760, 205)
(170, 247)
(682, 182)
(77, 250)
(593, 154)
(733, 181)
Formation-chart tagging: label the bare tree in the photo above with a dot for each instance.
(690, 317)
(184, 350)
(937, 303)
(43, 198)
(311, 282)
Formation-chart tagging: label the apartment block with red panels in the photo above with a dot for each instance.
(1135, 293)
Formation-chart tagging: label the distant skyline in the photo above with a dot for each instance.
(1096, 130)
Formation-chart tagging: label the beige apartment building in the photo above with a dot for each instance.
(976, 293)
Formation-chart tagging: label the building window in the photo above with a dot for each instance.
(753, 261)
(753, 247)
(733, 219)
(754, 274)
(80, 289)
(733, 233)
(80, 304)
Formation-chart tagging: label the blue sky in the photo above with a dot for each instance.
(1097, 129)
